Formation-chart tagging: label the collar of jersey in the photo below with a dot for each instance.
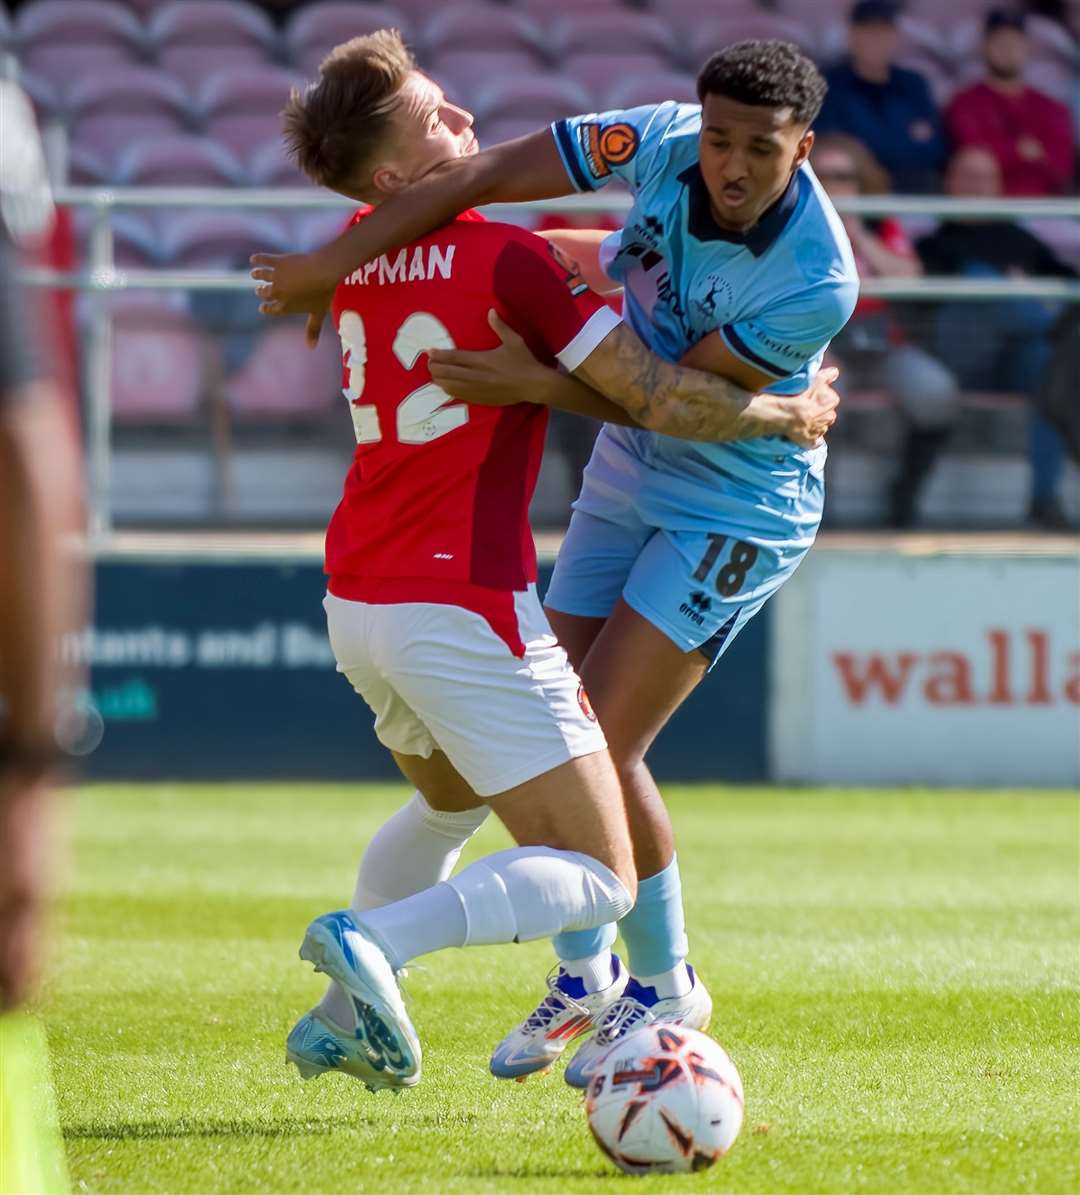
(758, 239)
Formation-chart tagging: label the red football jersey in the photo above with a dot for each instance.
(436, 503)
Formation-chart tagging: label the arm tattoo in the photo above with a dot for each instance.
(686, 403)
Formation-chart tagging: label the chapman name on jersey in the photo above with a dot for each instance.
(421, 263)
(435, 507)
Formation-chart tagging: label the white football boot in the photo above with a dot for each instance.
(637, 1007)
(565, 1014)
(350, 955)
(318, 1045)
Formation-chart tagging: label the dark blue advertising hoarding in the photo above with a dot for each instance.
(221, 669)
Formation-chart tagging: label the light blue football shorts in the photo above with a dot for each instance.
(698, 556)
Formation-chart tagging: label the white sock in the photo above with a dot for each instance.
(417, 847)
(515, 895)
(594, 971)
(668, 984)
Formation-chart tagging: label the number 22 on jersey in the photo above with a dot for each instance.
(424, 413)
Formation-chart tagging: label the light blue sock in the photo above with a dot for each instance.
(584, 943)
(655, 928)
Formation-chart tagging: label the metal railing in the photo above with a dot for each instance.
(101, 277)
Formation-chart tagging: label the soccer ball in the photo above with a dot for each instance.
(666, 1100)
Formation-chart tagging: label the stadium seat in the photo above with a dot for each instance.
(83, 23)
(157, 361)
(540, 98)
(7, 33)
(814, 12)
(544, 11)
(612, 33)
(312, 32)
(652, 89)
(179, 161)
(495, 131)
(241, 108)
(111, 110)
(283, 379)
(219, 240)
(462, 73)
(86, 167)
(315, 228)
(706, 39)
(195, 38)
(136, 244)
(271, 166)
(67, 63)
(477, 27)
(48, 102)
(599, 73)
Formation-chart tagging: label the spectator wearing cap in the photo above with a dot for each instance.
(886, 107)
(1006, 345)
(1029, 133)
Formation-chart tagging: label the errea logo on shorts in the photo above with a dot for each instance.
(698, 605)
(585, 703)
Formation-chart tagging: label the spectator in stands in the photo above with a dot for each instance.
(872, 350)
(1005, 344)
(889, 109)
(1029, 133)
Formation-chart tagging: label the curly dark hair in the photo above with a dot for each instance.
(770, 74)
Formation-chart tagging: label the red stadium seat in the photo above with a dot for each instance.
(84, 23)
(67, 63)
(110, 111)
(544, 11)
(314, 30)
(612, 33)
(539, 98)
(706, 39)
(179, 161)
(284, 379)
(496, 130)
(270, 165)
(599, 73)
(477, 27)
(313, 229)
(652, 89)
(219, 240)
(241, 108)
(195, 38)
(157, 361)
(87, 168)
(462, 73)
(136, 245)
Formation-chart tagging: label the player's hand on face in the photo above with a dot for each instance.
(814, 411)
(496, 377)
(293, 284)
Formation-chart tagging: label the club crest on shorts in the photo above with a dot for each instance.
(585, 703)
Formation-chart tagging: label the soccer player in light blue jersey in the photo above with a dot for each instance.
(733, 261)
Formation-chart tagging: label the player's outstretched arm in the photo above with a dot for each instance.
(693, 405)
(516, 171)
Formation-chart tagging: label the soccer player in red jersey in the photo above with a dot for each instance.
(431, 604)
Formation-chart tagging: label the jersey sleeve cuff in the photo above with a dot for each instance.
(597, 327)
(745, 353)
(565, 138)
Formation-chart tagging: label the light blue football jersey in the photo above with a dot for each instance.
(776, 294)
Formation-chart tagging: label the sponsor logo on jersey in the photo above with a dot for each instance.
(585, 703)
(606, 146)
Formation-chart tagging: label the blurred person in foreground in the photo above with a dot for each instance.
(1029, 133)
(40, 595)
(887, 107)
(873, 350)
(1002, 345)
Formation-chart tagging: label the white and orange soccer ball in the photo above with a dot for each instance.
(666, 1100)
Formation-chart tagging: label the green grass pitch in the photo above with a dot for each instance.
(895, 975)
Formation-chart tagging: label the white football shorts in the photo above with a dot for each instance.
(438, 677)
